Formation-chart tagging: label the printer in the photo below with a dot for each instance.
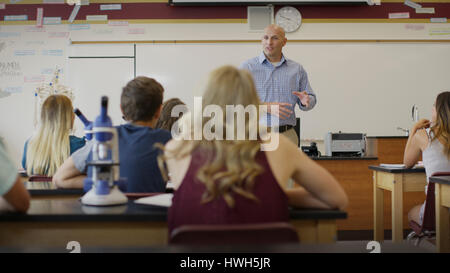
(345, 144)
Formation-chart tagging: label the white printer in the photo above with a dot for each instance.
(345, 144)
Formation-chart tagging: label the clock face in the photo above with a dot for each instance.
(289, 18)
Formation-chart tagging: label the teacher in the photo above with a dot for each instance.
(280, 81)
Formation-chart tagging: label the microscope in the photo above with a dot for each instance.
(87, 123)
(102, 186)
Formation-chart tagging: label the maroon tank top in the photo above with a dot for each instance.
(187, 208)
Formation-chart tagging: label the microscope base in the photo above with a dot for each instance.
(115, 197)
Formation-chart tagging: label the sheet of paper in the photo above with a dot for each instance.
(399, 15)
(425, 10)
(163, 200)
(399, 166)
(393, 166)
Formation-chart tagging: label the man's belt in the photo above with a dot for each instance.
(284, 128)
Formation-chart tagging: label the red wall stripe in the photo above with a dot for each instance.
(163, 11)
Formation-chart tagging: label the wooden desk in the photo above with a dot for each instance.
(442, 194)
(53, 223)
(397, 181)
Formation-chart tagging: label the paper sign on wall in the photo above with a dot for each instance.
(412, 4)
(118, 23)
(53, 1)
(438, 20)
(399, 15)
(79, 27)
(52, 20)
(25, 52)
(16, 17)
(58, 34)
(111, 7)
(14, 89)
(97, 17)
(440, 31)
(425, 10)
(39, 78)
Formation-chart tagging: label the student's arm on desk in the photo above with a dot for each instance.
(301, 198)
(319, 189)
(18, 196)
(68, 176)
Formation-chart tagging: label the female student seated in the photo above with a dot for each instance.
(47, 149)
(431, 139)
(234, 181)
(166, 120)
(13, 194)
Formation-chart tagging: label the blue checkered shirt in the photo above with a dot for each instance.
(276, 84)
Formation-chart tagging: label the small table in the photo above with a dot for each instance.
(442, 194)
(397, 181)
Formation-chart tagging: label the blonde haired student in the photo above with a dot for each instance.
(13, 195)
(431, 139)
(233, 181)
(47, 149)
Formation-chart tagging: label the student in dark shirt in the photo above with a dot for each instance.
(141, 103)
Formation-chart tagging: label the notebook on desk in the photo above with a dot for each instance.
(401, 166)
(163, 200)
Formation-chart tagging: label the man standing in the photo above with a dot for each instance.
(280, 81)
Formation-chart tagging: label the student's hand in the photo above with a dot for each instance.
(284, 110)
(303, 96)
(421, 124)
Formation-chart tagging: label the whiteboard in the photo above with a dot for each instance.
(360, 87)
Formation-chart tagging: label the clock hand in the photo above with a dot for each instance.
(285, 17)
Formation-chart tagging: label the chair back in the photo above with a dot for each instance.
(429, 214)
(241, 234)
